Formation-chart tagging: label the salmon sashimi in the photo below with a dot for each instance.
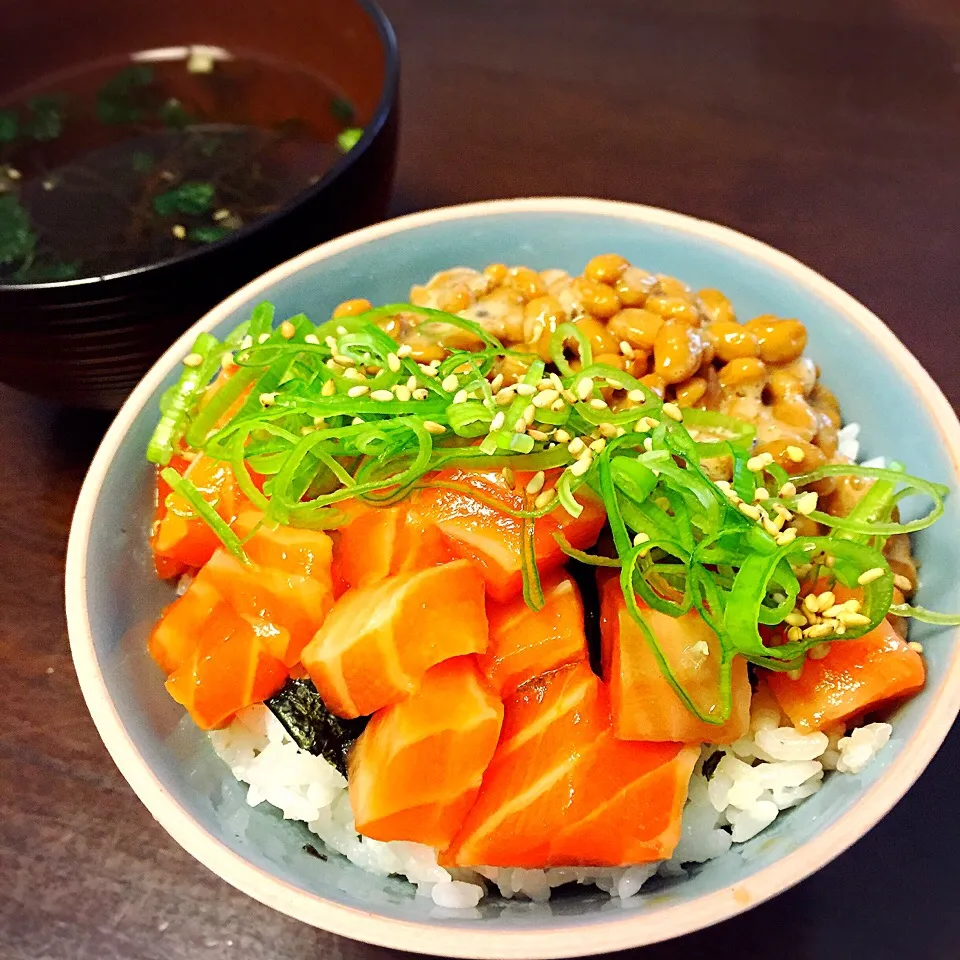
(230, 668)
(479, 531)
(546, 726)
(174, 639)
(288, 582)
(556, 767)
(645, 706)
(627, 803)
(181, 539)
(381, 541)
(416, 769)
(378, 641)
(526, 643)
(854, 676)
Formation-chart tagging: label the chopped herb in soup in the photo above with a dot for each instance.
(113, 168)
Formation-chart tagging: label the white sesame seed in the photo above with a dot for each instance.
(508, 476)
(569, 396)
(811, 602)
(263, 338)
(381, 395)
(648, 444)
(460, 396)
(576, 447)
(535, 485)
(351, 373)
(557, 383)
(868, 576)
(816, 630)
(795, 633)
(524, 389)
(331, 342)
(561, 436)
(807, 502)
(787, 536)
(328, 389)
(341, 330)
(246, 343)
(827, 600)
(819, 651)
(496, 383)
(795, 674)
(641, 537)
(598, 404)
(356, 421)
(343, 360)
(673, 411)
(749, 510)
(795, 454)
(312, 339)
(585, 388)
(520, 426)
(402, 392)
(227, 361)
(902, 583)
(636, 396)
(852, 605)
(626, 349)
(421, 393)
(287, 330)
(497, 422)
(788, 490)
(450, 383)
(545, 398)
(607, 429)
(192, 360)
(916, 647)
(404, 350)
(432, 427)
(853, 619)
(579, 468)
(761, 493)
(358, 391)
(267, 398)
(757, 463)
(597, 445)
(529, 413)
(546, 497)
(537, 434)
(795, 619)
(393, 363)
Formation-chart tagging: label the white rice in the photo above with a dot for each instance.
(770, 770)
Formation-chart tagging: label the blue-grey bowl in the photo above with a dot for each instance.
(113, 596)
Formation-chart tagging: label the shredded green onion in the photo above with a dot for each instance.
(321, 415)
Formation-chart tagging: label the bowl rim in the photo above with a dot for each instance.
(469, 940)
(385, 106)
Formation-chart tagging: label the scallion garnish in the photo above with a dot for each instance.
(342, 411)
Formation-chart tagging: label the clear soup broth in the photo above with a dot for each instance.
(129, 162)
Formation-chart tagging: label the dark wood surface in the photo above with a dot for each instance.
(828, 128)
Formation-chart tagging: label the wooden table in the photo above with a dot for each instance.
(828, 128)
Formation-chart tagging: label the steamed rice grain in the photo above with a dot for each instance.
(772, 769)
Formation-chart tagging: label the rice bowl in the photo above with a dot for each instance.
(650, 927)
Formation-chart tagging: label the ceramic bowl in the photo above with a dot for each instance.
(87, 342)
(112, 595)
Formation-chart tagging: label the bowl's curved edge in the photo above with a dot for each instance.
(465, 941)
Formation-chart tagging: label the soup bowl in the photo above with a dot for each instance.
(113, 596)
(87, 341)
